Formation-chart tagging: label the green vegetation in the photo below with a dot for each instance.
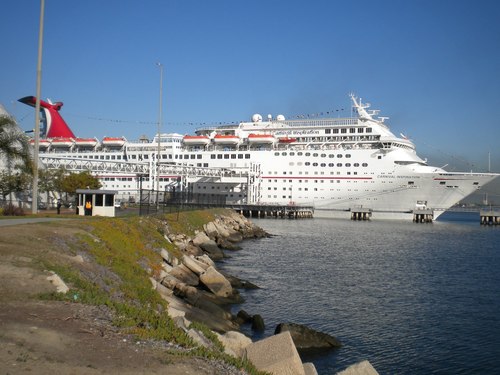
(127, 252)
(188, 222)
(15, 155)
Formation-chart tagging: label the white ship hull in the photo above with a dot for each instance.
(337, 166)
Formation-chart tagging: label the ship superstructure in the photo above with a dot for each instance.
(336, 165)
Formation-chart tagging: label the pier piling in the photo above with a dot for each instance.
(489, 217)
(423, 216)
(274, 211)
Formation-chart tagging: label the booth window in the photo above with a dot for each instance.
(109, 200)
(99, 200)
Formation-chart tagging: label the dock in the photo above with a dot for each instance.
(489, 217)
(423, 216)
(360, 213)
(273, 211)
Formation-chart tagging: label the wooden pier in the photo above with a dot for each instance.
(274, 211)
(489, 217)
(361, 214)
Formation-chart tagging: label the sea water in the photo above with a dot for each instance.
(410, 298)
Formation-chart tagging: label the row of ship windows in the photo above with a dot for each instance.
(145, 179)
(339, 156)
(163, 156)
(319, 181)
(351, 130)
(316, 173)
(321, 197)
(329, 164)
(204, 187)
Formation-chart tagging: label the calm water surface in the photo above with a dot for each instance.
(410, 298)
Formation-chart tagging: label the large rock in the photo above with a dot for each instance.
(210, 230)
(361, 368)
(225, 244)
(194, 265)
(185, 275)
(235, 236)
(186, 291)
(216, 282)
(216, 319)
(205, 259)
(225, 228)
(243, 317)
(234, 343)
(163, 290)
(310, 369)
(240, 283)
(258, 323)
(208, 245)
(222, 231)
(199, 338)
(170, 281)
(307, 338)
(169, 258)
(60, 285)
(276, 354)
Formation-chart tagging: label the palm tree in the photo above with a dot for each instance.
(15, 155)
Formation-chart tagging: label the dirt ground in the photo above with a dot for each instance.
(51, 337)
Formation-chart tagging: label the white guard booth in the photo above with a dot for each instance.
(96, 202)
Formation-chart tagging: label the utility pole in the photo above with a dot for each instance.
(34, 199)
(158, 156)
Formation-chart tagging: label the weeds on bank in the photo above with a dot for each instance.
(129, 248)
(190, 221)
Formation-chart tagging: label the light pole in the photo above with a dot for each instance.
(160, 65)
(34, 190)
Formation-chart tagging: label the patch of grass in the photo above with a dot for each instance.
(128, 249)
(81, 290)
(190, 221)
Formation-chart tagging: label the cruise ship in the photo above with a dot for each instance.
(336, 165)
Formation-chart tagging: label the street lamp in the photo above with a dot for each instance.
(160, 65)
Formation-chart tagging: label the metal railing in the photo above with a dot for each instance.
(154, 202)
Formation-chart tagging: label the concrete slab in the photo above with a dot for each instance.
(361, 368)
(276, 354)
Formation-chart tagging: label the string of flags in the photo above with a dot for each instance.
(335, 112)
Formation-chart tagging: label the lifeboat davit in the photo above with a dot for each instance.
(62, 142)
(226, 139)
(42, 143)
(261, 138)
(113, 141)
(192, 140)
(86, 142)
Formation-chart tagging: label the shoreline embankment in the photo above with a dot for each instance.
(158, 277)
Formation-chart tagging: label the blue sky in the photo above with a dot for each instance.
(432, 67)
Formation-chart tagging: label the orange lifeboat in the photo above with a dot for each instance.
(86, 142)
(42, 143)
(62, 142)
(113, 141)
(261, 138)
(226, 139)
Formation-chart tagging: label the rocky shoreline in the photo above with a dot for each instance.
(104, 260)
(197, 291)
